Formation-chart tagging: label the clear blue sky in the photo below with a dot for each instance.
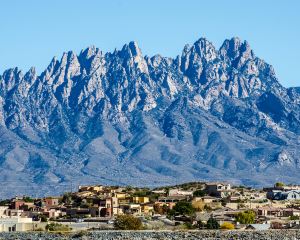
(33, 31)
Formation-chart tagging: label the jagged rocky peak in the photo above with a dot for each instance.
(96, 116)
(205, 49)
(50, 70)
(131, 50)
(133, 57)
(88, 52)
(236, 52)
(202, 51)
(31, 75)
(11, 77)
(195, 58)
(90, 59)
(70, 63)
(53, 64)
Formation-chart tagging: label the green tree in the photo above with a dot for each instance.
(199, 193)
(246, 217)
(4, 202)
(43, 218)
(67, 198)
(279, 184)
(183, 208)
(128, 222)
(212, 224)
(27, 199)
(165, 209)
(129, 188)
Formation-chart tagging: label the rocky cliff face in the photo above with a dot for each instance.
(125, 118)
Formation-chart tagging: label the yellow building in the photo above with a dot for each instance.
(120, 195)
(147, 209)
(140, 199)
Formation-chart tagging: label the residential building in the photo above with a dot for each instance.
(170, 201)
(13, 224)
(218, 189)
(140, 199)
(258, 227)
(79, 212)
(283, 195)
(178, 192)
(277, 212)
(17, 204)
(95, 188)
(3, 211)
(162, 191)
(51, 201)
(211, 202)
(14, 212)
(132, 208)
(120, 195)
(147, 209)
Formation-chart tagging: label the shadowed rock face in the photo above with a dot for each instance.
(125, 118)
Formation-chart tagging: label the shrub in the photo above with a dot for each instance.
(207, 208)
(127, 222)
(276, 225)
(38, 230)
(56, 227)
(198, 205)
(80, 234)
(294, 217)
(212, 224)
(227, 225)
(189, 225)
(201, 225)
(241, 205)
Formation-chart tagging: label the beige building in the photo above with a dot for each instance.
(16, 224)
(96, 188)
(3, 211)
(178, 192)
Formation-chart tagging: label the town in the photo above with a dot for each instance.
(194, 205)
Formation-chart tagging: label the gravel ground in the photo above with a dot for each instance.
(153, 235)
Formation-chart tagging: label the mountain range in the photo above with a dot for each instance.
(122, 118)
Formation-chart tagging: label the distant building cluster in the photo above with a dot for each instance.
(204, 203)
